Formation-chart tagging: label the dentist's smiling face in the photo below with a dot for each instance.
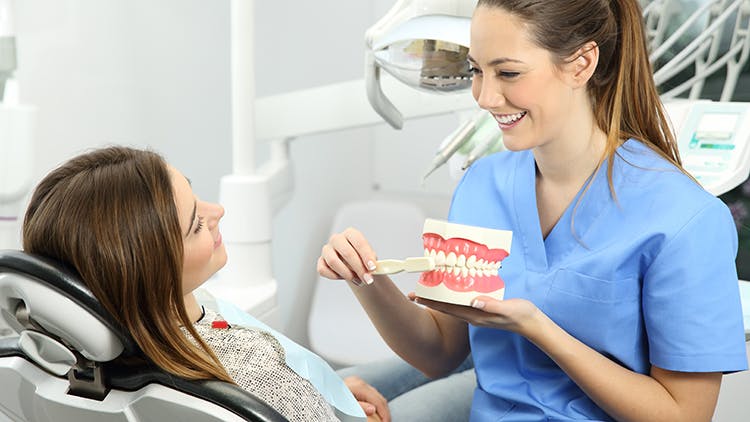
(199, 222)
(517, 81)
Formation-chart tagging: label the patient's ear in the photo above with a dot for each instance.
(580, 67)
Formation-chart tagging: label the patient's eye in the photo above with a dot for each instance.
(199, 226)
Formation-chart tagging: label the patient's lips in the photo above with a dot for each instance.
(462, 265)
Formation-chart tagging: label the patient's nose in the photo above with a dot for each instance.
(211, 211)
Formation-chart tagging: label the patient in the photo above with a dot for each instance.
(132, 228)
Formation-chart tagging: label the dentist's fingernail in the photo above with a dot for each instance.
(356, 282)
(371, 266)
(476, 303)
(368, 278)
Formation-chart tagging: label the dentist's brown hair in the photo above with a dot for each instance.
(623, 92)
(110, 215)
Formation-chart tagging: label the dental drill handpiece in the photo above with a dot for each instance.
(485, 147)
(461, 135)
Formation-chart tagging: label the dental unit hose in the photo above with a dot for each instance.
(490, 140)
(459, 138)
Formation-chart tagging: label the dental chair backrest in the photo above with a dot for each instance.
(338, 328)
(57, 361)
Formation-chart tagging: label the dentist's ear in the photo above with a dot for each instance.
(581, 66)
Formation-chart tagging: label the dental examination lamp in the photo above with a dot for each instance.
(16, 136)
(424, 45)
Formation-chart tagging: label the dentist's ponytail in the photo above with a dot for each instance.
(627, 105)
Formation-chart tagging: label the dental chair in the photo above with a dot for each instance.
(57, 362)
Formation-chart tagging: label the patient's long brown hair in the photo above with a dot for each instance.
(110, 214)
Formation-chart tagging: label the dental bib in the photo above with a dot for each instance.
(302, 361)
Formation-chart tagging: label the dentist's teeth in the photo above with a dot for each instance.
(510, 118)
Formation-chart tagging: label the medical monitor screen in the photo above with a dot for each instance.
(738, 201)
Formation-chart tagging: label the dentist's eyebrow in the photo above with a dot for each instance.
(495, 62)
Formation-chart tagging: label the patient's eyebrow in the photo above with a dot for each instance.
(192, 218)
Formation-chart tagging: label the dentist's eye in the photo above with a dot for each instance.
(199, 226)
(473, 70)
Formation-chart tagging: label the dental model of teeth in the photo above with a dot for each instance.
(467, 260)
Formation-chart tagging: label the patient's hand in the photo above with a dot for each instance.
(372, 402)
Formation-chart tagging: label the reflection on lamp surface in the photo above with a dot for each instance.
(431, 65)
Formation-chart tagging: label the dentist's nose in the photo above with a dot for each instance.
(487, 93)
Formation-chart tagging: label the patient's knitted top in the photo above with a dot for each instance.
(256, 362)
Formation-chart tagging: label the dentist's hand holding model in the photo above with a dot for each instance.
(621, 299)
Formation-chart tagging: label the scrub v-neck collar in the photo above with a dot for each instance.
(543, 255)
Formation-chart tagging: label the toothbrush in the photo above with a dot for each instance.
(410, 265)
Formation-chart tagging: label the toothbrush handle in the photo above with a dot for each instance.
(388, 266)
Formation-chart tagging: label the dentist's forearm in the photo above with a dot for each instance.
(622, 393)
(432, 342)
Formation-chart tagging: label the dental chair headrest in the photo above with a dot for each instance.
(53, 295)
(43, 302)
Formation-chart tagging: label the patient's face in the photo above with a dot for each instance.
(199, 223)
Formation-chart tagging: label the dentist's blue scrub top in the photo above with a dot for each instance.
(647, 280)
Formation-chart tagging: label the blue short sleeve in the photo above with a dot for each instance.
(691, 301)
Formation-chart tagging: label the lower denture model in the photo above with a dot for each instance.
(466, 262)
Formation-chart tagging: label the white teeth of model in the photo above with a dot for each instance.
(451, 259)
(464, 271)
(472, 272)
(496, 265)
(472, 261)
(461, 261)
(480, 264)
(440, 258)
(456, 271)
(426, 252)
(433, 254)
